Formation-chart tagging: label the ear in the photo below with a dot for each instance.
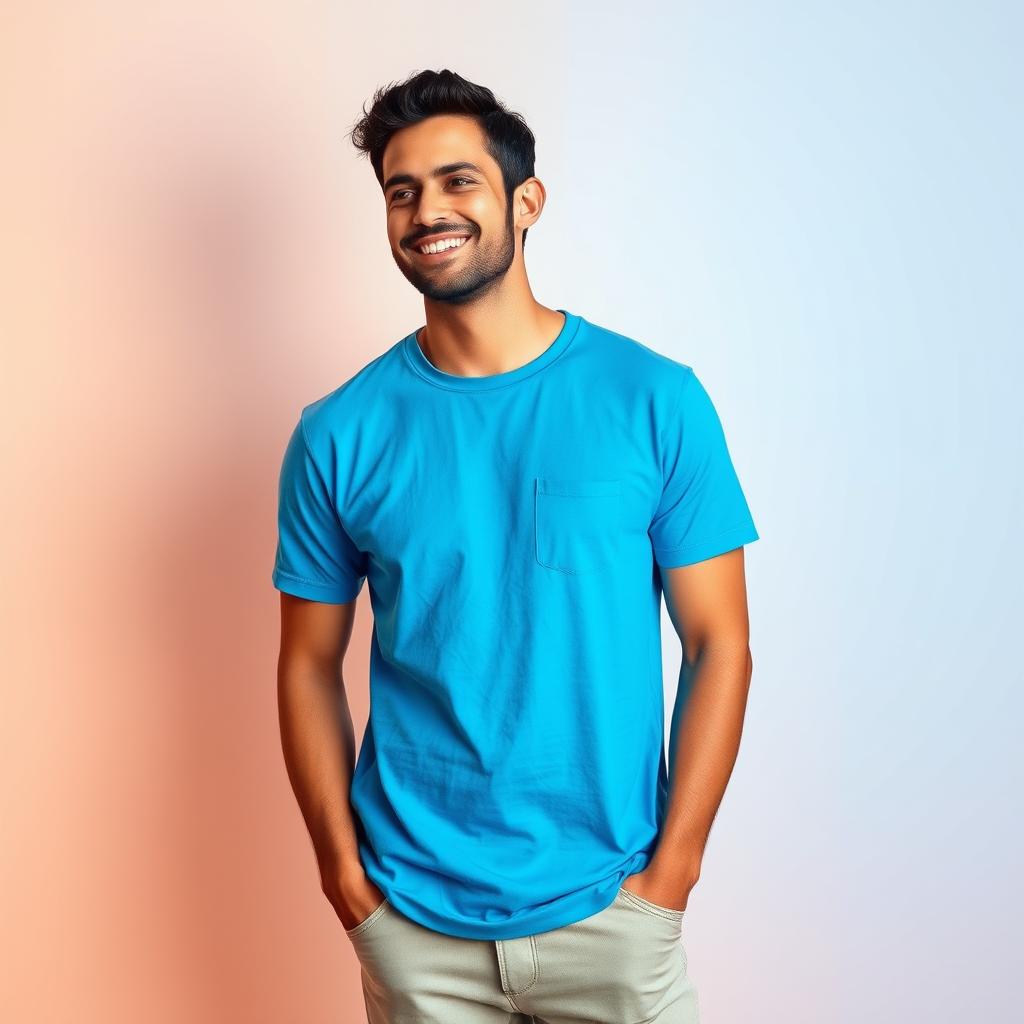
(528, 201)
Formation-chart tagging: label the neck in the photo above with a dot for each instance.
(486, 337)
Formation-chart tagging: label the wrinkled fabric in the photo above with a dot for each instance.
(511, 528)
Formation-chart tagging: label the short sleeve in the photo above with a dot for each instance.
(703, 511)
(316, 559)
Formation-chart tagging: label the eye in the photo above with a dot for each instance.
(399, 193)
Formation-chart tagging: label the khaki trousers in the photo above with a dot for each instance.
(625, 964)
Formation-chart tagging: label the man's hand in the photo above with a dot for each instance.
(352, 894)
(658, 887)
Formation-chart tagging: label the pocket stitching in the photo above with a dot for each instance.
(572, 488)
(369, 919)
(653, 909)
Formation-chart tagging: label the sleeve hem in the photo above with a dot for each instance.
(699, 551)
(328, 593)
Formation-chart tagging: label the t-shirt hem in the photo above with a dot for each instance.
(567, 911)
(688, 554)
(329, 593)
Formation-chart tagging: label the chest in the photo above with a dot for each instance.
(570, 489)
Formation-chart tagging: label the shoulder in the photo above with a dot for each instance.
(350, 402)
(639, 365)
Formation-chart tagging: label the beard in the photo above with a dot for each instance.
(473, 276)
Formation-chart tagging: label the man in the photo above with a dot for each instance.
(520, 486)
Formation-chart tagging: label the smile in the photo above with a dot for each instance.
(435, 249)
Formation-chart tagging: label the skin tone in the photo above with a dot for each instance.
(481, 316)
(482, 319)
(707, 603)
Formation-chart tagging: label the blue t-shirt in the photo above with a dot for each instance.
(513, 769)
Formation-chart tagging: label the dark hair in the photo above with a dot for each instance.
(428, 93)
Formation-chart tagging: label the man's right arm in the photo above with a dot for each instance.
(318, 741)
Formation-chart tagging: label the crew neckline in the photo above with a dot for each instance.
(456, 382)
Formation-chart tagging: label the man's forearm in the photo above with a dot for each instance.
(707, 722)
(318, 742)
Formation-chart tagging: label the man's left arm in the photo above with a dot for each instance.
(707, 604)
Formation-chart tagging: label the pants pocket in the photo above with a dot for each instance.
(369, 920)
(645, 906)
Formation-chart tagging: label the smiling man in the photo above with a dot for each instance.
(520, 487)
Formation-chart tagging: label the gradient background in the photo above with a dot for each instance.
(816, 205)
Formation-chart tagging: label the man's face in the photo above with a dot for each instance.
(428, 197)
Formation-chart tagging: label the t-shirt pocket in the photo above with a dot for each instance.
(577, 523)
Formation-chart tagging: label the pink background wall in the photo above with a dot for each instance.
(177, 268)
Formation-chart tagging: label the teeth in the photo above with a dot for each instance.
(446, 243)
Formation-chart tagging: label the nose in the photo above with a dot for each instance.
(432, 207)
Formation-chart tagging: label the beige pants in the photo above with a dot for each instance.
(623, 965)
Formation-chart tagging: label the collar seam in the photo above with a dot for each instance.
(494, 387)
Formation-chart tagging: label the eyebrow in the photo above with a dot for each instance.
(438, 172)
